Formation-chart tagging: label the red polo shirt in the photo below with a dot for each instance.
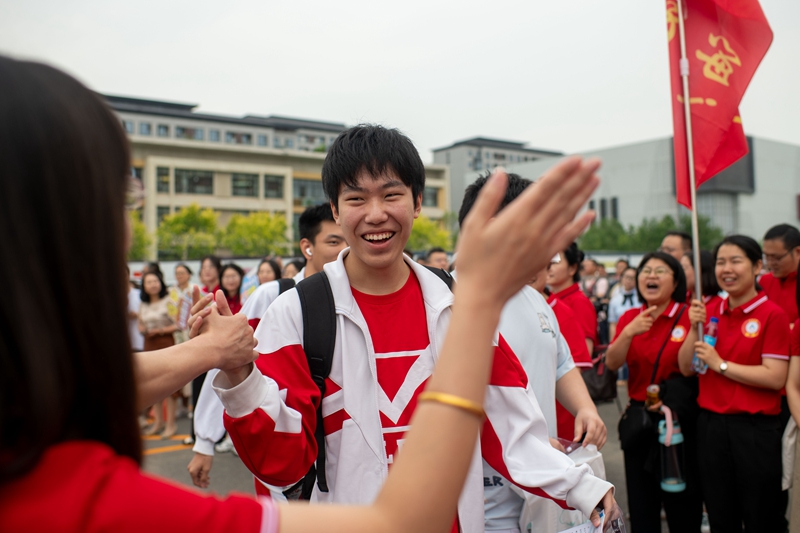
(782, 291)
(794, 343)
(749, 333)
(582, 307)
(572, 332)
(644, 348)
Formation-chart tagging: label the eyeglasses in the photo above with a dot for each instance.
(660, 272)
(775, 258)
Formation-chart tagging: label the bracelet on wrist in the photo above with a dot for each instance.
(469, 406)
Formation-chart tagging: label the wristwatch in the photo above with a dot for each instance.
(723, 366)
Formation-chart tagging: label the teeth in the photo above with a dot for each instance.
(377, 236)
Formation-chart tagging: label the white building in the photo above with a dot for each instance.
(757, 192)
(478, 154)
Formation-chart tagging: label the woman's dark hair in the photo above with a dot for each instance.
(751, 249)
(238, 269)
(63, 185)
(185, 267)
(708, 276)
(679, 294)
(272, 264)
(376, 150)
(298, 264)
(574, 257)
(161, 293)
(152, 267)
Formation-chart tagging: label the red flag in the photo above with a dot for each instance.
(725, 42)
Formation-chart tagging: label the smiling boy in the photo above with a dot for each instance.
(391, 318)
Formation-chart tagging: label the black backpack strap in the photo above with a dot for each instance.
(284, 284)
(319, 340)
(443, 275)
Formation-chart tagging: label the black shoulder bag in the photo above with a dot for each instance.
(636, 426)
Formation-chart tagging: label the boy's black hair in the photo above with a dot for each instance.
(434, 250)
(377, 150)
(516, 184)
(786, 233)
(161, 293)
(686, 239)
(679, 294)
(310, 222)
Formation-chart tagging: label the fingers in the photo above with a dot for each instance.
(200, 303)
(595, 518)
(196, 322)
(222, 304)
(195, 295)
(649, 310)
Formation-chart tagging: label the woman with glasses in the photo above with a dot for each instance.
(655, 331)
(739, 428)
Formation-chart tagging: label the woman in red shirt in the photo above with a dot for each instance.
(210, 272)
(231, 282)
(563, 278)
(69, 440)
(656, 330)
(739, 432)
(793, 379)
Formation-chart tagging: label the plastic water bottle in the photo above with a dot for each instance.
(672, 469)
(709, 338)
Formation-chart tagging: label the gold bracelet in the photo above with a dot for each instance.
(452, 400)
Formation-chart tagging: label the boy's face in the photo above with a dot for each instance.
(376, 218)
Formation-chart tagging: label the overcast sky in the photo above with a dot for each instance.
(565, 75)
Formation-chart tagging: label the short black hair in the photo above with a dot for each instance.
(184, 266)
(377, 150)
(786, 233)
(238, 269)
(708, 276)
(686, 239)
(516, 184)
(574, 256)
(679, 294)
(161, 293)
(310, 222)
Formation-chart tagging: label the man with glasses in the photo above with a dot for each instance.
(781, 257)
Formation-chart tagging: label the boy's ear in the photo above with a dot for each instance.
(305, 244)
(417, 205)
(335, 213)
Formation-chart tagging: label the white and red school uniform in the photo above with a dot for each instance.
(85, 487)
(208, 426)
(271, 417)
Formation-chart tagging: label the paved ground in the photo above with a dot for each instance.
(168, 458)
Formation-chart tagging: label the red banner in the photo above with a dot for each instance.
(725, 42)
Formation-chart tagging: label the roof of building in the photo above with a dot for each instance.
(181, 110)
(485, 142)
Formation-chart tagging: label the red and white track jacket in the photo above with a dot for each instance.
(271, 417)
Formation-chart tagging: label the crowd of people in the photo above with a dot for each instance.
(426, 398)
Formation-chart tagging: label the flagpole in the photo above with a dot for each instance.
(687, 113)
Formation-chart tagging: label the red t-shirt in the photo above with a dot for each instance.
(399, 332)
(644, 348)
(747, 334)
(794, 343)
(84, 486)
(782, 292)
(583, 309)
(572, 332)
(234, 302)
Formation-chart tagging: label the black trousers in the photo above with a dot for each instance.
(740, 468)
(643, 477)
(197, 384)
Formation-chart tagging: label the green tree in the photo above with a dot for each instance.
(140, 237)
(607, 234)
(648, 236)
(190, 233)
(710, 235)
(610, 235)
(427, 233)
(256, 235)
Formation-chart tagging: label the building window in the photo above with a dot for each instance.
(615, 208)
(308, 192)
(127, 125)
(262, 140)
(194, 134)
(244, 185)
(603, 208)
(213, 136)
(430, 197)
(145, 128)
(162, 179)
(161, 212)
(276, 142)
(289, 143)
(194, 181)
(232, 137)
(162, 130)
(592, 206)
(137, 173)
(273, 186)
